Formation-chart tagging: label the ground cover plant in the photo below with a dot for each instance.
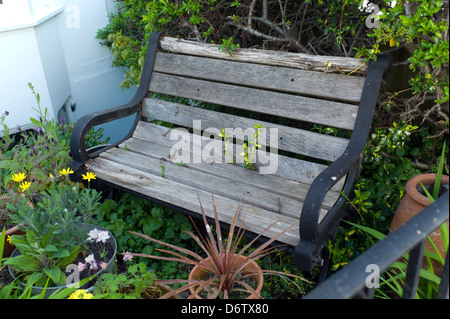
(131, 214)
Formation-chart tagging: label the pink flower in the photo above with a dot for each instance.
(103, 265)
(127, 256)
(81, 266)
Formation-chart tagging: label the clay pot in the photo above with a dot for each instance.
(9, 248)
(412, 204)
(251, 268)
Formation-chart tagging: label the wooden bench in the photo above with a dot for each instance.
(285, 93)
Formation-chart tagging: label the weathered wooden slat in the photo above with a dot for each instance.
(292, 177)
(272, 183)
(296, 107)
(290, 80)
(289, 139)
(220, 185)
(185, 197)
(295, 60)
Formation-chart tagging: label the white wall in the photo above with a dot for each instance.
(18, 66)
(95, 84)
(53, 46)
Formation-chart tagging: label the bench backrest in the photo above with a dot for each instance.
(297, 90)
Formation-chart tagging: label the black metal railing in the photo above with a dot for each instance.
(352, 280)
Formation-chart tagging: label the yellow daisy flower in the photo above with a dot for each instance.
(8, 239)
(18, 177)
(89, 176)
(81, 294)
(65, 171)
(24, 186)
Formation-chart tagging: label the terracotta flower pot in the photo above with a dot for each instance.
(251, 268)
(412, 204)
(9, 248)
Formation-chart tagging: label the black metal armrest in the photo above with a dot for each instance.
(82, 127)
(312, 235)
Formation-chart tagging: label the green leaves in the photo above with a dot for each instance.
(422, 29)
(41, 261)
(55, 274)
(228, 46)
(135, 284)
(36, 122)
(132, 213)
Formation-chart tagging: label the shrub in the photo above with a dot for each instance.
(421, 29)
(128, 32)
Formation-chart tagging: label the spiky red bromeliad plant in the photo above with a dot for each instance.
(225, 262)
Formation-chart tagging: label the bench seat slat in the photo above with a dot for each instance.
(290, 139)
(222, 185)
(298, 173)
(185, 197)
(293, 169)
(234, 174)
(330, 113)
(290, 80)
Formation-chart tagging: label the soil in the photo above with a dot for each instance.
(97, 249)
(442, 190)
(5, 278)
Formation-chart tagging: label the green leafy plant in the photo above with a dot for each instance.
(250, 148)
(55, 231)
(140, 215)
(60, 210)
(226, 263)
(387, 166)
(226, 141)
(41, 259)
(438, 182)
(163, 169)
(420, 26)
(228, 46)
(127, 33)
(394, 279)
(136, 283)
(40, 154)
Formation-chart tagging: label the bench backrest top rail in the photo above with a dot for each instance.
(269, 57)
